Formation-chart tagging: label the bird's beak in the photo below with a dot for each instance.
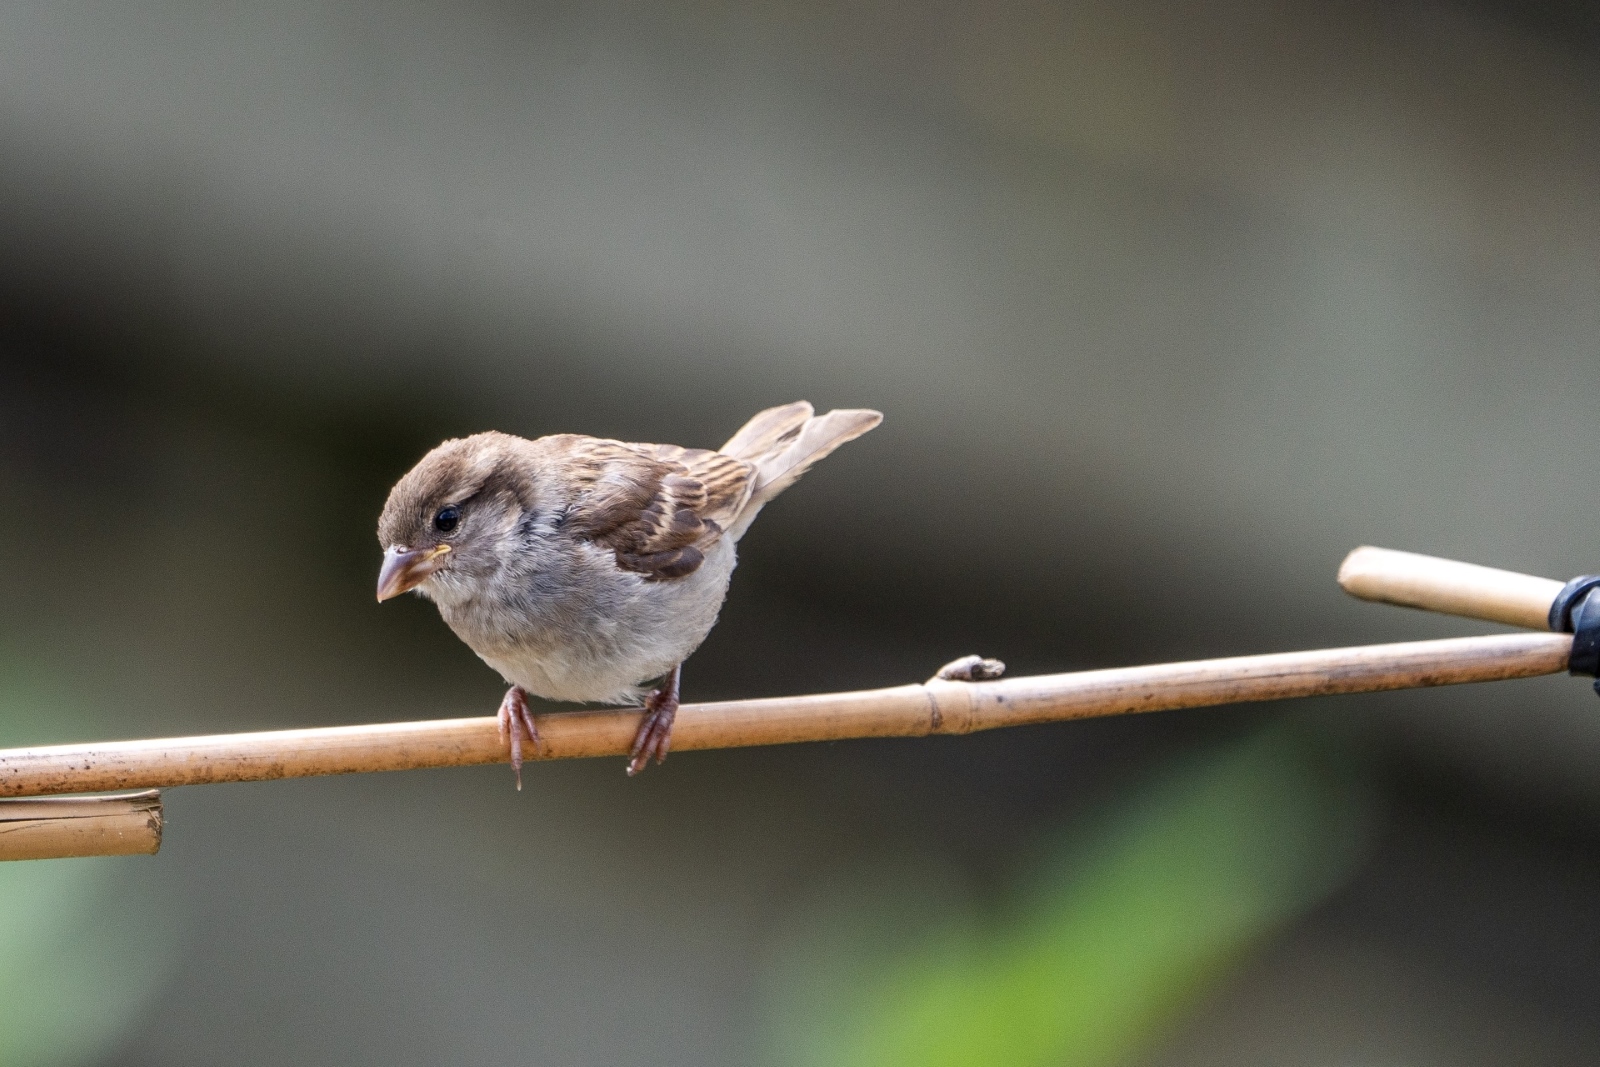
(407, 568)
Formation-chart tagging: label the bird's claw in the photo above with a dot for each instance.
(515, 720)
(655, 731)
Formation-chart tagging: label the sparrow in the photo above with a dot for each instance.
(585, 569)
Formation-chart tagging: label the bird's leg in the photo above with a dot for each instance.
(655, 732)
(515, 719)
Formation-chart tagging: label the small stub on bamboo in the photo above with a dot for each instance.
(45, 828)
(970, 669)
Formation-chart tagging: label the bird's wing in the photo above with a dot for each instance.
(727, 481)
(658, 507)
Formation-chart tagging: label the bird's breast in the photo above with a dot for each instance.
(584, 630)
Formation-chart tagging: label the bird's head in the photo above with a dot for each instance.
(446, 521)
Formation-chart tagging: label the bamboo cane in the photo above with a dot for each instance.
(935, 707)
(1447, 586)
(38, 828)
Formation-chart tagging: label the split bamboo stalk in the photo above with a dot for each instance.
(39, 828)
(935, 707)
(1448, 586)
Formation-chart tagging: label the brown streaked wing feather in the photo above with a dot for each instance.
(613, 484)
(658, 507)
(727, 480)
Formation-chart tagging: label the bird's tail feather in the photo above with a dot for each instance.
(761, 434)
(784, 442)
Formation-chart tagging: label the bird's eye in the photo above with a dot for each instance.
(447, 519)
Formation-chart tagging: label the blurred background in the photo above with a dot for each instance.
(1169, 305)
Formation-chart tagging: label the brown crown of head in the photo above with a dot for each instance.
(445, 512)
(459, 474)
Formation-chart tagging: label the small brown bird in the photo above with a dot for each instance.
(582, 569)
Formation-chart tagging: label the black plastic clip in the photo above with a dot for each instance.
(1576, 610)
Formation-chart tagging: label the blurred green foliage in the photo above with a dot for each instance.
(1132, 922)
(85, 944)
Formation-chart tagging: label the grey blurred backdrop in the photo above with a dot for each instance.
(1168, 306)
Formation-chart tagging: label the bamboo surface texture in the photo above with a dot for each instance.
(936, 707)
(38, 828)
(1444, 585)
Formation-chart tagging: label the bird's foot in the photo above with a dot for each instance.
(515, 720)
(655, 732)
